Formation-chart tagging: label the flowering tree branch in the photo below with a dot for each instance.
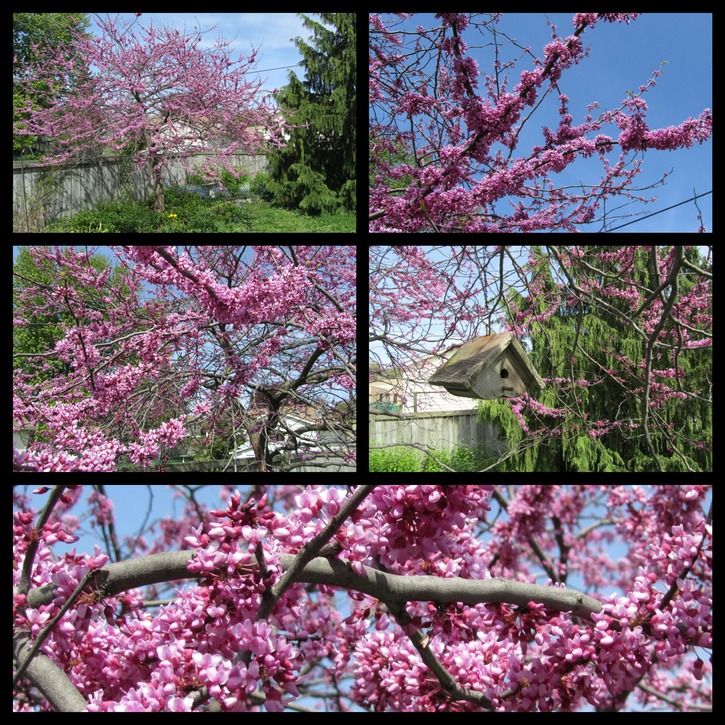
(435, 132)
(389, 588)
(439, 619)
(213, 338)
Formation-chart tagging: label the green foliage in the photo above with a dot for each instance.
(121, 217)
(263, 187)
(308, 191)
(403, 459)
(32, 33)
(348, 195)
(45, 330)
(233, 184)
(223, 176)
(313, 171)
(584, 454)
(395, 155)
(177, 198)
(221, 217)
(187, 212)
(400, 460)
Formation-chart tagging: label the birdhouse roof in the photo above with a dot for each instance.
(473, 357)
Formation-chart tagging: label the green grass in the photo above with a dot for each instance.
(412, 460)
(266, 218)
(186, 212)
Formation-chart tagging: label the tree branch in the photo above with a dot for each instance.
(52, 682)
(391, 588)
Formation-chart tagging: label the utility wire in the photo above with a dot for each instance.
(655, 213)
(282, 67)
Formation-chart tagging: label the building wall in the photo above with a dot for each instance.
(414, 394)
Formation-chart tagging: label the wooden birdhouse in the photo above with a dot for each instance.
(490, 367)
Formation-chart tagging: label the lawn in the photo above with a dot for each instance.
(188, 212)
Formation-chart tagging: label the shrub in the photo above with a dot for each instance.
(262, 187)
(409, 460)
(220, 217)
(115, 217)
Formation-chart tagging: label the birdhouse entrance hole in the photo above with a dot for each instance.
(504, 373)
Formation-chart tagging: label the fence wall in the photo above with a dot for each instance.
(442, 430)
(43, 193)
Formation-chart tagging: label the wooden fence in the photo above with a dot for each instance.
(43, 193)
(439, 430)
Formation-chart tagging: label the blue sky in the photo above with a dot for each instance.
(623, 57)
(135, 503)
(271, 32)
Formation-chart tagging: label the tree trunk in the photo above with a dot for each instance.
(258, 441)
(158, 186)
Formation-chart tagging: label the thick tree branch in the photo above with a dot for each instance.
(399, 589)
(334, 572)
(130, 574)
(52, 682)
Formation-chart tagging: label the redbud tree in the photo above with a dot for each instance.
(407, 598)
(153, 91)
(449, 140)
(206, 347)
(622, 337)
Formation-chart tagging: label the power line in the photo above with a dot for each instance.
(655, 213)
(282, 67)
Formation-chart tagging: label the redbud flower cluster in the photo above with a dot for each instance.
(426, 97)
(209, 642)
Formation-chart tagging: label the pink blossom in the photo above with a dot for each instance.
(643, 554)
(135, 381)
(462, 163)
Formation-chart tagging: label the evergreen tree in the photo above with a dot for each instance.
(315, 172)
(593, 356)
